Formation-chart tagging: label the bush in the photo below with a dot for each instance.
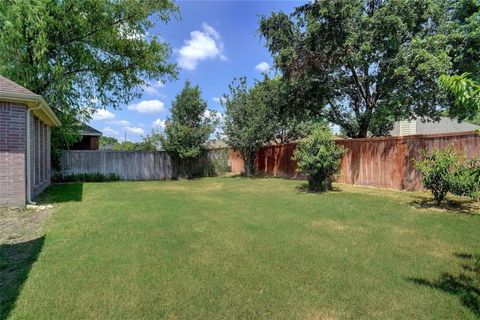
(215, 167)
(445, 170)
(85, 177)
(319, 158)
(466, 180)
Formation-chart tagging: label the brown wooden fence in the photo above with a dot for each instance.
(379, 162)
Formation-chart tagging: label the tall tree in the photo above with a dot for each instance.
(248, 121)
(189, 126)
(374, 62)
(83, 54)
(291, 118)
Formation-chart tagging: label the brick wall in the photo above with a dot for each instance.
(39, 155)
(12, 154)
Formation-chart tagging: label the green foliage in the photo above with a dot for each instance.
(188, 128)
(150, 142)
(217, 163)
(370, 63)
(319, 157)
(107, 143)
(85, 177)
(290, 120)
(445, 170)
(466, 96)
(82, 55)
(466, 180)
(248, 121)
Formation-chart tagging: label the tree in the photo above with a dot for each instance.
(107, 143)
(83, 54)
(247, 122)
(188, 128)
(319, 157)
(465, 93)
(374, 62)
(291, 121)
(152, 141)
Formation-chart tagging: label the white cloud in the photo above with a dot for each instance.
(213, 115)
(135, 130)
(262, 67)
(202, 45)
(122, 123)
(153, 87)
(147, 106)
(218, 99)
(109, 131)
(158, 123)
(102, 114)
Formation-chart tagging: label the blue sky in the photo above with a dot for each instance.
(213, 42)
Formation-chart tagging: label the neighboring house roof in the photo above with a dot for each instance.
(422, 126)
(216, 144)
(89, 131)
(13, 92)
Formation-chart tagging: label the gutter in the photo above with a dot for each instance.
(34, 102)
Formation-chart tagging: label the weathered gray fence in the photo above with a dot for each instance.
(134, 165)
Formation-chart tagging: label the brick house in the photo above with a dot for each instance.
(25, 124)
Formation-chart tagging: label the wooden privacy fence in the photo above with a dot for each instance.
(379, 162)
(135, 165)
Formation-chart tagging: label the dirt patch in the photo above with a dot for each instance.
(21, 225)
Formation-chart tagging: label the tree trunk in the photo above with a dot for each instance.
(249, 164)
(363, 130)
(317, 183)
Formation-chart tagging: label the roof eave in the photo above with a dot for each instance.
(32, 100)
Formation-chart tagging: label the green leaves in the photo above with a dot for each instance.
(83, 54)
(190, 125)
(374, 62)
(248, 121)
(465, 93)
(319, 158)
(445, 170)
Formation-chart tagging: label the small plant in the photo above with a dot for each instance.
(446, 171)
(319, 158)
(86, 177)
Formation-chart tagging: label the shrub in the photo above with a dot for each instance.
(445, 170)
(215, 167)
(319, 158)
(85, 177)
(466, 180)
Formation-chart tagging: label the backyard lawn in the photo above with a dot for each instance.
(239, 248)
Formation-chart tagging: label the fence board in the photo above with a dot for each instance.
(133, 165)
(379, 162)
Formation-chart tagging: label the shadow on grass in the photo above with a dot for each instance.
(467, 206)
(63, 192)
(15, 263)
(466, 285)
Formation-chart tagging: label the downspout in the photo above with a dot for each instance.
(28, 153)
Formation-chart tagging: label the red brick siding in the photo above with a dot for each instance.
(12, 154)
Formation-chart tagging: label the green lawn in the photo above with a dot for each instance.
(225, 248)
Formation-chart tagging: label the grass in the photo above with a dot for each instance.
(250, 249)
